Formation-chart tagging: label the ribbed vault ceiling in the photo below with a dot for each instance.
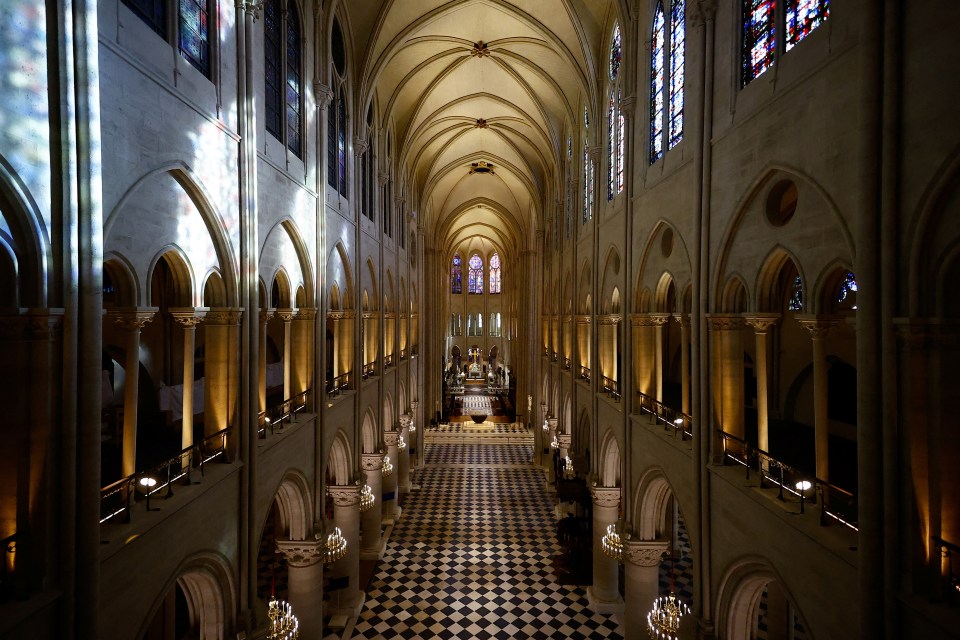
(452, 102)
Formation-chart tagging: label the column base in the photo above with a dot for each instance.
(392, 518)
(377, 552)
(351, 608)
(598, 605)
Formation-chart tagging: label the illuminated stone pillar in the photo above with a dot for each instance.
(684, 321)
(644, 353)
(287, 315)
(371, 542)
(818, 328)
(761, 328)
(304, 560)
(220, 369)
(131, 321)
(726, 372)
(604, 594)
(641, 573)
(265, 316)
(346, 516)
(391, 508)
(658, 320)
(302, 350)
(189, 319)
(403, 468)
(551, 434)
(564, 441)
(415, 442)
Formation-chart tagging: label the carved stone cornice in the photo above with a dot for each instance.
(189, 316)
(266, 315)
(818, 326)
(371, 461)
(224, 316)
(131, 319)
(306, 313)
(584, 319)
(606, 496)
(389, 315)
(369, 315)
(287, 314)
(659, 319)
(609, 318)
(391, 438)
(564, 440)
(645, 553)
(344, 495)
(30, 325)
(683, 319)
(927, 334)
(301, 553)
(647, 319)
(725, 322)
(322, 94)
(552, 423)
(341, 315)
(762, 322)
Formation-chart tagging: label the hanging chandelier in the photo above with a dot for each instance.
(663, 621)
(387, 467)
(546, 427)
(283, 624)
(366, 498)
(401, 443)
(568, 470)
(336, 546)
(611, 543)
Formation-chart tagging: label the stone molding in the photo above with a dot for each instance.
(189, 316)
(322, 94)
(701, 11)
(645, 553)
(725, 321)
(564, 440)
(609, 318)
(344, 495)
(30, 325)
(924, 334)
(683, 319)
(648, 319)
(371, 461)
(391, 438)
(266, 315)
(301, 553)
(131, 319)
(762, 322)
(306, 313)
(287, 314)
(818, 326)
(606, 496)
(224, 316)
(360, 146)
(341, 315)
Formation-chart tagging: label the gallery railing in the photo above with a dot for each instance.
(585, 373)
(273, 417)
(369, 369)
(611, 387)
(339, 384)
(680, 423)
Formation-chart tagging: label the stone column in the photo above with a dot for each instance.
(302, 350)
(346, 515)
(726, 372)
(641, 575)
(658, 320)
(287, 315)
(391, 508)
(305, 583)
(132, 321)
(265, 316)
(684, 321)
(644, 357)
(220, 369)
(604, 595)
(415, 441)
(818, 328)
(189, 319)
(761, 328)
(403, 453)
(564, 441)
(551, 434)
(371, 543)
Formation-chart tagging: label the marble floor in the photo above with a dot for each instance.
(471, 556)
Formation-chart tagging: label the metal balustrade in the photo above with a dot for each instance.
(118, 500)
(836, 504)
(369, 369)
(585, 373)
(338, 385)
(567, 364)
(611, 387)
(670, 418)
(273, 418)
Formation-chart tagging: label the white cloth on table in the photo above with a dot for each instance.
(171, 398)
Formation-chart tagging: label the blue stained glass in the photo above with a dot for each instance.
(612, 153)
(621, 144)
(759, 38)
(456, 275)
(586, 184)
(616, 53)
(677, 58)
(294, 83)
(657, 84)
(802, 17)
(495, 273)
(848, 288)
(796, 296)
(475, 275)
(272, 64)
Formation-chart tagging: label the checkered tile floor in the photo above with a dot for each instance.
(477, 454)
(471, 558)
(467, 427)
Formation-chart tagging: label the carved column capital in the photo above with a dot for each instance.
(360, 146)
(301, 553)
(762, 322)
(683, 319)
(371, 461)
(287, 315)
(30, 325)
(266, 315)
(606, 496)
(818, 326)
(132, 319)
(927, 334)
(322, 94)
(224, 316)
(564, 440)
(391, 438)
(306, 313)
(344, 495)
(725, 321)
(645, 553)
(701, 11)
(188, 316)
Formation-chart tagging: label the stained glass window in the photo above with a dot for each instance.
(677, 58)
(294, 81)
(569, 147)
(616, 53)
(495, 273)
(796, 296)
(621, 137)
(194, 34)
(657, 84)
(332, 175)
(153, 12)
(273, 64)
(475, 275)
(586, 186)
(847, 297)
(569, 204)
(342, 141)
(456, 275)
(612, 150)
(759, 38)
(802, 17)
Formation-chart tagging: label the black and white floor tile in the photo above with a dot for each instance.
(511, 428)
(471, 557)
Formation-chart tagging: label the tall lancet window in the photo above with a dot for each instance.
(456, 275)
(495, 273)
(615, 120)
(667, 60)
(759, 38)
(677, 60)
(475, 275)
(802, 17)
(657, 80)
